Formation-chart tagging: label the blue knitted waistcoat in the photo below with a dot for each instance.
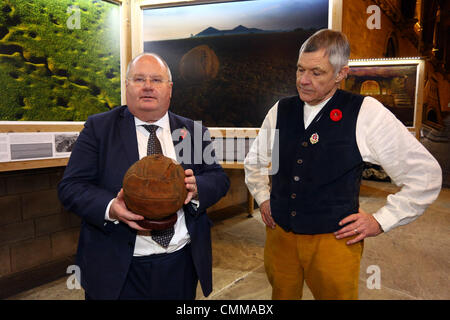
(319, 171)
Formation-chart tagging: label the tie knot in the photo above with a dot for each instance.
(151, 127)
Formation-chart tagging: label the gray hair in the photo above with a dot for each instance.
(158, 57)
(335, 44)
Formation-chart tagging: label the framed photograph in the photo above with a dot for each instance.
(231, 60)
(59, 60)
(59, 63)
(397, 83)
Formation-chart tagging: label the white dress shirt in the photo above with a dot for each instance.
(383, 140)
(144, 244)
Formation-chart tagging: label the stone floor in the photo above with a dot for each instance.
(413, 260)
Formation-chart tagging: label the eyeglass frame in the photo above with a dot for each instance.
(153, 81)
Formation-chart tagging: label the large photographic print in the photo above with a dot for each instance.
(59, 60)
(232, 61)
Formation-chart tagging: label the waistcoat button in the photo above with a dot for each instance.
(299, 161)
(293, 213)
(293, 196)
(304, 144)
(296, 178)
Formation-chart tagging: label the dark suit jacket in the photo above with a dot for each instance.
(103, 152)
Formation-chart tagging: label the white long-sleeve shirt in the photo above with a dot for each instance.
(383, 140)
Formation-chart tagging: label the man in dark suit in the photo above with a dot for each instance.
(118, 258)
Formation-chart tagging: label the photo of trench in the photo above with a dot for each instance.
(59, 60)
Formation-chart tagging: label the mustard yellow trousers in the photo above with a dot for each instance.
(329, 266)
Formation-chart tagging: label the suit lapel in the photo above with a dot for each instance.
(175, 125)
(176, 138)
(127, 132)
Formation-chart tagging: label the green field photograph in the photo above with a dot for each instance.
(59, 59)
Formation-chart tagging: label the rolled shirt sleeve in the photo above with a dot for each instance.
(383, 140)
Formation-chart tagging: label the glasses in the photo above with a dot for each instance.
(141, 81)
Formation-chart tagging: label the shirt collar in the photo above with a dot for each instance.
(318, 106)
(163, 122)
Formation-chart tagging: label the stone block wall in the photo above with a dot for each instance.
(35, 231)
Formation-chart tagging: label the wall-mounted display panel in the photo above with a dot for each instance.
(75, 31)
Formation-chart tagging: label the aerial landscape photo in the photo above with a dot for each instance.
(59, 60)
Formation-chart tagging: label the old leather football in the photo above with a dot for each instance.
(154, 187)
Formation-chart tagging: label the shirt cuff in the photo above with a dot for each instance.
(107, 218)
(385, 219)
(262, 196)
(196, 203)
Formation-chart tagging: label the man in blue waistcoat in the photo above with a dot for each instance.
(316, 144)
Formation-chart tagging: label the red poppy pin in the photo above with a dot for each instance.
(183, 133)
(336, 115)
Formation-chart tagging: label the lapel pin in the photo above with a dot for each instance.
(314, 138)
(336, 114)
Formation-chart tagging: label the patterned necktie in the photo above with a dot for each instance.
(153, 144)
(162, 237)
